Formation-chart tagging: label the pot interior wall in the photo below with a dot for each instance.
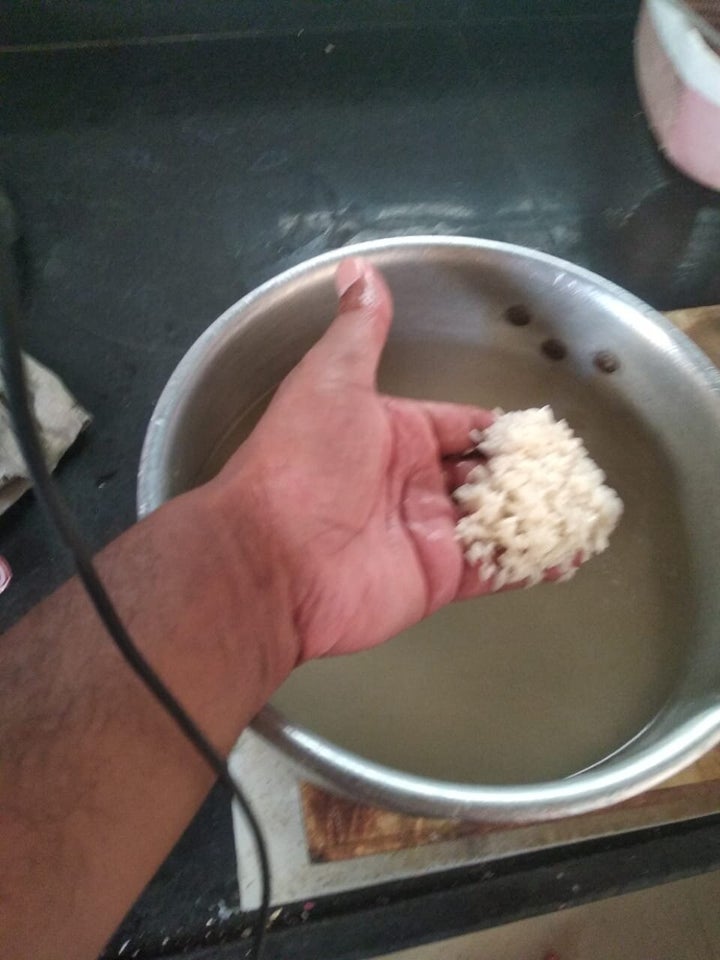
(531, 685)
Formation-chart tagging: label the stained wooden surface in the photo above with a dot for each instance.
(340, 829)
(701, 324)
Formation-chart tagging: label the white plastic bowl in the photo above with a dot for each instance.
(678, 76)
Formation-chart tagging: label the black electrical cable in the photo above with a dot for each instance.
(61, 517)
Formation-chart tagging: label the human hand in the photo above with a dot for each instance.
(348, 486)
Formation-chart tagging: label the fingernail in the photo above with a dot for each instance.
(349, 273)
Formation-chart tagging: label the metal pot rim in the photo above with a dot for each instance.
(329, 764)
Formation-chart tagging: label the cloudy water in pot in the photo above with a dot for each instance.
(533, 684)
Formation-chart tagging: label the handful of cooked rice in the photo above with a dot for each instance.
(538, 502)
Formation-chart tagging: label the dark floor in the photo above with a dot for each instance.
(678, 921)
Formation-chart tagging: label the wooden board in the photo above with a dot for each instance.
(701, 324)
(339, 829)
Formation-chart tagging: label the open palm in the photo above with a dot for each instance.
(352, 488)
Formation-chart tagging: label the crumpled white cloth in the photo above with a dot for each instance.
(59, 417)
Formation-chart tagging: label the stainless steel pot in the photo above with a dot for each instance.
(473, 323)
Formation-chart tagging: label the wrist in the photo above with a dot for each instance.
(251, 580)
(219, 631)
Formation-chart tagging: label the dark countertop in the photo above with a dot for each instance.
(159, 183)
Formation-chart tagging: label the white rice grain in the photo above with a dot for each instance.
(538, 502)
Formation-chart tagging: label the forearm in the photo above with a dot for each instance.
(96, 783)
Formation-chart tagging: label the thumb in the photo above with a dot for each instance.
(354, 341)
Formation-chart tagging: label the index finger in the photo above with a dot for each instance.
(452, 423)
